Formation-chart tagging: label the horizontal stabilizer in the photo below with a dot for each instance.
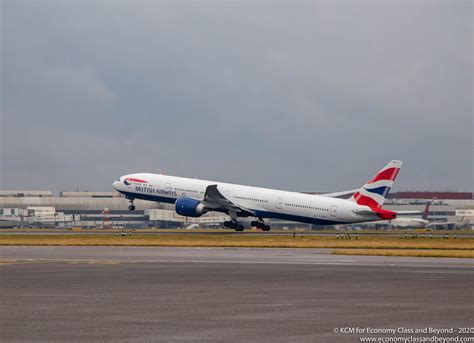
(365, 213)
(340, 195)
(408, 212)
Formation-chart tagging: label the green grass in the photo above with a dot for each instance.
(366, 245)
(223, 231)
(270, 241)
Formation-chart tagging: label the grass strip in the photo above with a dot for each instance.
(176, 240)
(419, 232)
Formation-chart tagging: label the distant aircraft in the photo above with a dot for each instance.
(193, 198)
(423, 222)
(415, 223)
(462, 224)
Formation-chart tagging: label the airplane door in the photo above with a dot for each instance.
(279, 203)
(333, 211)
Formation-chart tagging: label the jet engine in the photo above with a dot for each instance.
(189, 207)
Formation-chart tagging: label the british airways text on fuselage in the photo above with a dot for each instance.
(157, 191)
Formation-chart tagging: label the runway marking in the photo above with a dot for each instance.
(17, 261)
(195, 261)
(68, 261)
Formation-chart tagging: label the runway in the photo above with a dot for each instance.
(138, 294)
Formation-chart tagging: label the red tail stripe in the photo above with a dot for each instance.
(387, 174)
(381, 212)
(365, 201)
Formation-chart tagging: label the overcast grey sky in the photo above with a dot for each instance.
(297, 96)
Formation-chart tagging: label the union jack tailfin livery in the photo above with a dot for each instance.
(373, 193)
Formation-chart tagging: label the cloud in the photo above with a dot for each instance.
(301, 96)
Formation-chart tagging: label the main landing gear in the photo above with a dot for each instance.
(234, 224)
(260, 224)
(132, 206)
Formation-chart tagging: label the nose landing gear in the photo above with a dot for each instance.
(132, 206)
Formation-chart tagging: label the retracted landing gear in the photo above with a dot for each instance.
(260, 224)
(234, 224)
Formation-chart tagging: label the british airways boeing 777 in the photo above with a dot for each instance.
(193, 198)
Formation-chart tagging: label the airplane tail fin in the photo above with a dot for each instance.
(373, 193)
(426, 211)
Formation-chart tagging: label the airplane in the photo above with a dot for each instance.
(423, 222)
(462, 224)
(415, 223)
(193, 198)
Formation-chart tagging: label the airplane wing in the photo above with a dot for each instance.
(367, 212)
(364, 212)
(382, 213)
(215, 200)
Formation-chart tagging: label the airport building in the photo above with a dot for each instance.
(110, 209)
(88, 210)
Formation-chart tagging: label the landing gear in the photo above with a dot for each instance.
(260, 224)
(234, 224)
(132, 206)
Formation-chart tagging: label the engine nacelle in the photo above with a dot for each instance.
(189, 207)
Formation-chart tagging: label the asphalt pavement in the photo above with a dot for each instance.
(149, 294)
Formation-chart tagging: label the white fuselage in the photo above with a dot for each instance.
(265, 203)
(415, 223)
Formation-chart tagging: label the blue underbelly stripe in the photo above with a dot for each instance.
(149, 197)
(259, 213)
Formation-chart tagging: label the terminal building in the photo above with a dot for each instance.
(90, 210)
(110, 210)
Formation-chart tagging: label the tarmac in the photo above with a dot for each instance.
(149, 294)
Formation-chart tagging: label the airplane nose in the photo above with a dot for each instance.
(115, 184)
